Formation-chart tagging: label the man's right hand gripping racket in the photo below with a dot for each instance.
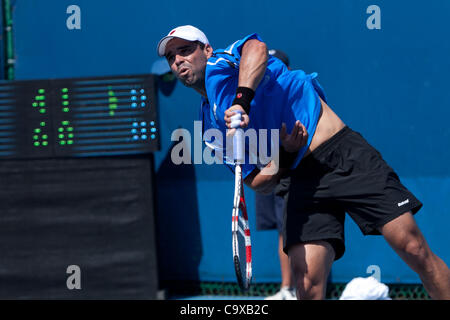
(242, 249)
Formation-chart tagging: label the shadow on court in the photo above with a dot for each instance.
(177, 222)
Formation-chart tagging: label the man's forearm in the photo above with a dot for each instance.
(253, 64)
(263, 181)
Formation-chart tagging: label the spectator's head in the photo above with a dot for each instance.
(280, 55)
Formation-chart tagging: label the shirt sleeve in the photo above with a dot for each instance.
(236, 48)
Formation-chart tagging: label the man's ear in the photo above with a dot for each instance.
(208, 50)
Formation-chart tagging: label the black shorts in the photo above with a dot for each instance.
(344, 174)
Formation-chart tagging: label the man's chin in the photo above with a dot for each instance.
(190, 82)
(187, 83)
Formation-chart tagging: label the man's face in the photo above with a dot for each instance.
(188, 61)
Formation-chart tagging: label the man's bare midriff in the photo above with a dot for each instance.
(328, 125)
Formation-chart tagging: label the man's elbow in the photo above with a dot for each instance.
(260, 183)
(258, 47)
(262, 49)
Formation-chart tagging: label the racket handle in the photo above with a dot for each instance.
(236, 120)
(238, 138)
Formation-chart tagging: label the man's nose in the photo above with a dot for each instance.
(178, 60)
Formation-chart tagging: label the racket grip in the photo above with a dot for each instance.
(236, 120)
(238, 138)
(238, 146)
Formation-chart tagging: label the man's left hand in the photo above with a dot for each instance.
(296, 139)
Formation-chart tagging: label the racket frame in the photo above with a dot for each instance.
(244, 277)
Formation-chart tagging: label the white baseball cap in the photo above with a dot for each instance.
(187, 32)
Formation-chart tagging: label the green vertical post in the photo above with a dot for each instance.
(9, 46)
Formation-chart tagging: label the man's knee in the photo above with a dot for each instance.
(417, 252)
(311, 263)
(416, 248)
(406, 238)
(311, 289)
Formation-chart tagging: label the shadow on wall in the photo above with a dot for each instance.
(177, 222)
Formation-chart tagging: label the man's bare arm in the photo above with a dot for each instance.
(253, 63)
(252, 67)
(262, 182)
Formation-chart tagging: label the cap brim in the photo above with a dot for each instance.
(162, 45)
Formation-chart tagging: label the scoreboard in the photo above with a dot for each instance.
(79, 117)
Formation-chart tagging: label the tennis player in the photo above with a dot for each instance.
(333, 169)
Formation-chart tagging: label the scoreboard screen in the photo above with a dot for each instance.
(101, 116)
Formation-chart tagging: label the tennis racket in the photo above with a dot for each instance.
(242, 249)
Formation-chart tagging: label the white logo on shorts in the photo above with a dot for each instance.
(403, 203)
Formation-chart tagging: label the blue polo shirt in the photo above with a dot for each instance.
(282, 96)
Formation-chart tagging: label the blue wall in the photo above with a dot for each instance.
(390, 84)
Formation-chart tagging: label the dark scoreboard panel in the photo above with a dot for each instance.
(101, 116)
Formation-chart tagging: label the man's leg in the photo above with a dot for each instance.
(404, 236)
(311, 263)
